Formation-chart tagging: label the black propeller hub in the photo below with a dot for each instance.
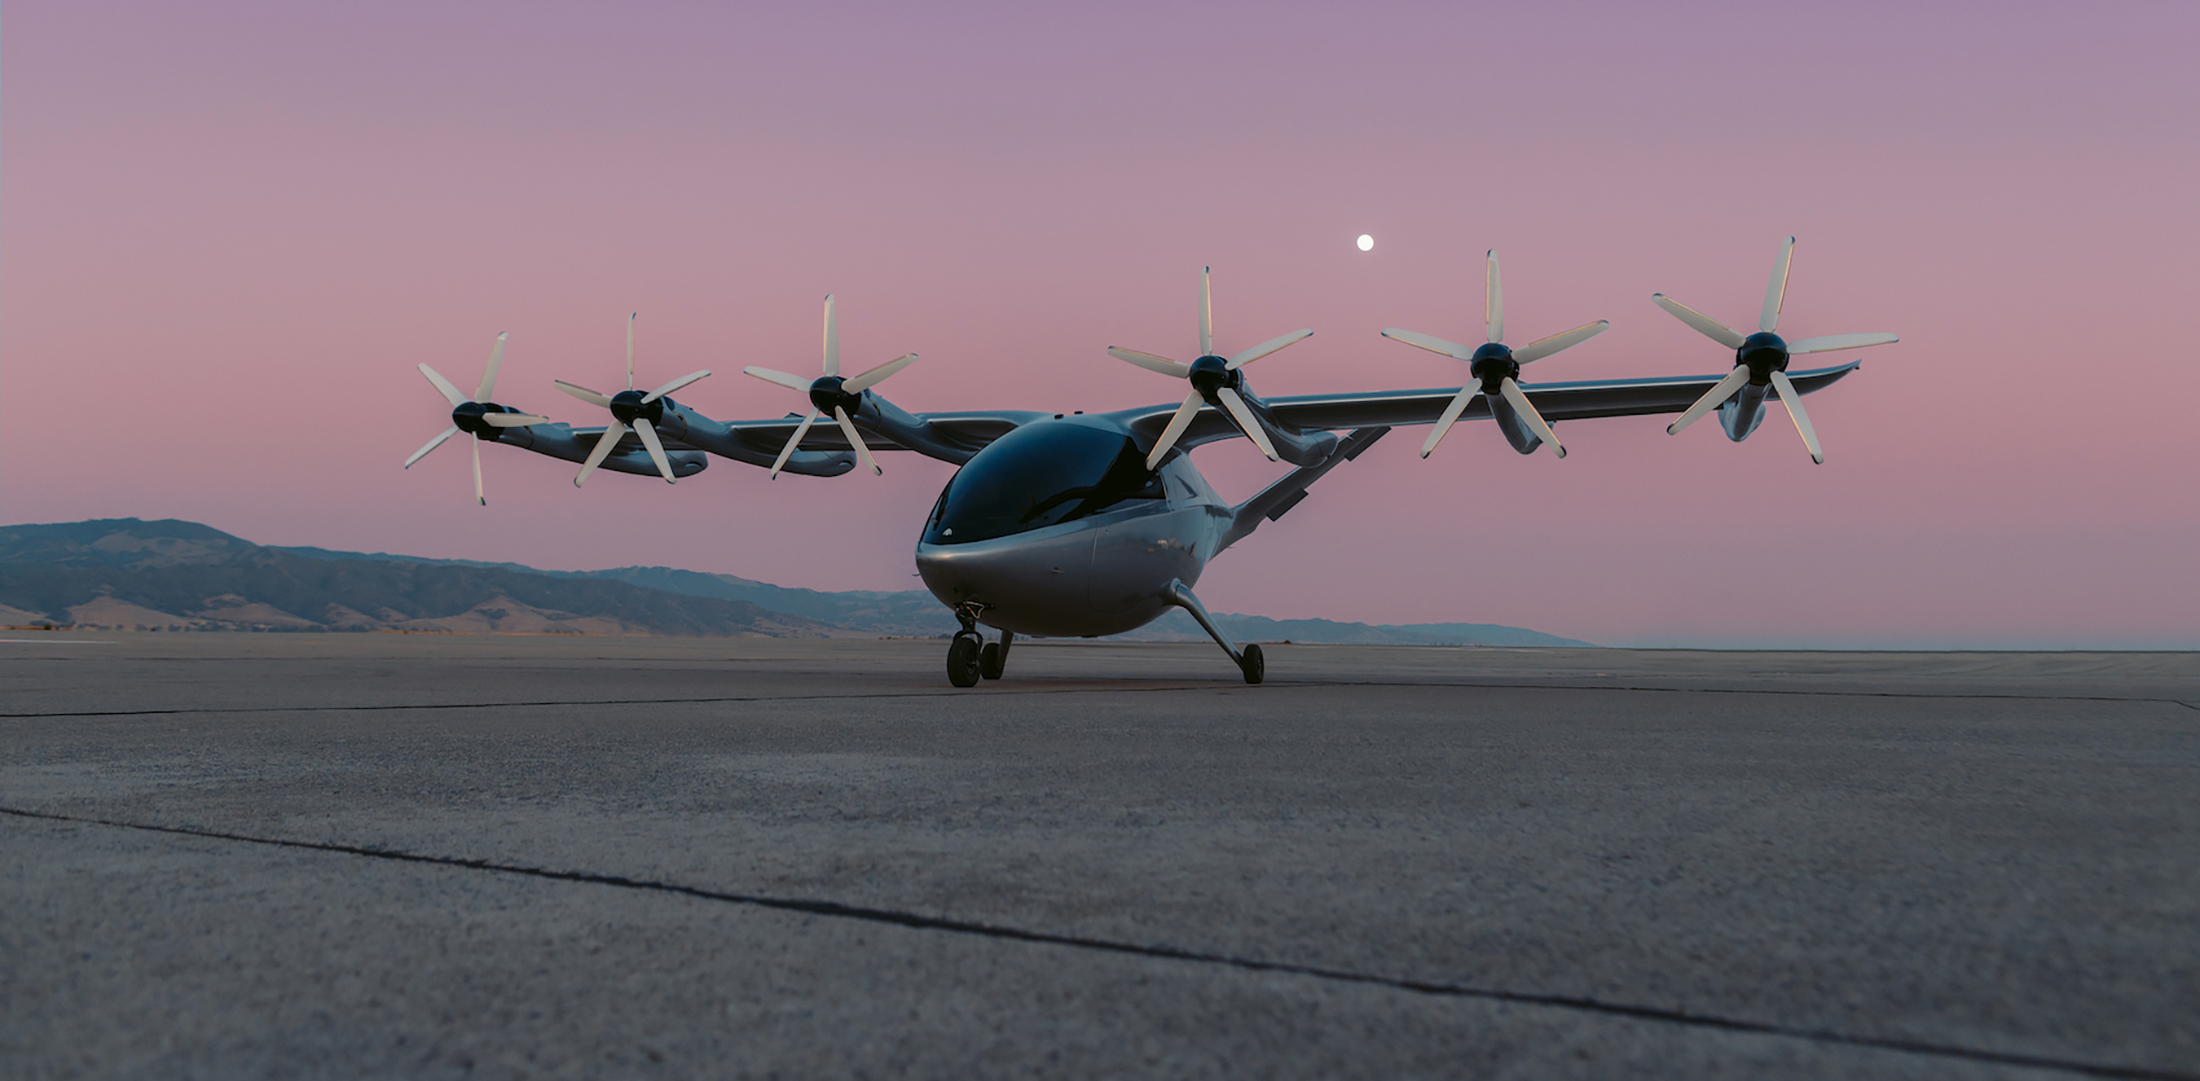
(1763, 353)
(1493, 363)
(828, 392)
(1210, 374)
(467, 417)
(627, 405)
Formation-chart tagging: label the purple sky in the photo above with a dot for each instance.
(229, 230)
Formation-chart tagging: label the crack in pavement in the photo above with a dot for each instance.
(916, 921)
(1025, 691)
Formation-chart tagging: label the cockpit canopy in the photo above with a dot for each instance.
(1042, 474)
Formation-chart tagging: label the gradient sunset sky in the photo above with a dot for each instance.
(228, 231)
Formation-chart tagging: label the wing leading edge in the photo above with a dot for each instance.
(1581, 400)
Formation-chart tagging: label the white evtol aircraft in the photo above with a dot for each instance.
(1095, 524)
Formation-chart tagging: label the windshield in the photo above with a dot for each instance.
(1039, 475)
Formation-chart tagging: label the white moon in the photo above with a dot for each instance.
(1367, 243)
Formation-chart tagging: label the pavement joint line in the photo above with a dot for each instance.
(1204, 686)
(916, 921)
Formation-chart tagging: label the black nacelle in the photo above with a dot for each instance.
(627, 405)
(1493, 363)
(1210, 374)
(1763, 353)
(826, 393)
(467, 418)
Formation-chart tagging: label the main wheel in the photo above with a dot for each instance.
(962, 661)
(992, 660)
(1253, 665)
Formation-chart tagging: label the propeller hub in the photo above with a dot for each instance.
(627, 405)
(1210, 374)
(828, 392)
(467, 418)
(1763, 353)
(1493, 363)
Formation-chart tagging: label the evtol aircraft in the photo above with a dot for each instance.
(1092, 524)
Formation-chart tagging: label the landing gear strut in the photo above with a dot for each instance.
(1248, 660)
(970, 657)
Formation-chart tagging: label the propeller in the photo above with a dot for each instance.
(629, 408)
(832, 395)
(476, 416)
(1495, 366)
(1761, 359)
(1214, 380)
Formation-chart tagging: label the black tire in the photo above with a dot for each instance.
(1253, 665)
(962, 662)
(992, 660)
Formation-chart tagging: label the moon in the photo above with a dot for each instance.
(1367, 243)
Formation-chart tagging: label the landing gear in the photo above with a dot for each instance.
(970, 657)
(962, 660)
(993, 658)
(1249, 661)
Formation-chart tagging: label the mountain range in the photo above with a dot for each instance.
(125, 573)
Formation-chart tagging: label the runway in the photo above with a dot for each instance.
(426, 855)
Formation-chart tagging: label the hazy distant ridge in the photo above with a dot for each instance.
(126, 572)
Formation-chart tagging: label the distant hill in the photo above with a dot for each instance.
(175, 575)
(124, 572)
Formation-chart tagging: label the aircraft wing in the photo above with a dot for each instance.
(973, 429)
(1391, 408)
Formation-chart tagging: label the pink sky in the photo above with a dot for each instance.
(229, 232)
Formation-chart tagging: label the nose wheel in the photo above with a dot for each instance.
(963, 659)
(970, 657)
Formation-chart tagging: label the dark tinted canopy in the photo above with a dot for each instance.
(1039, 475)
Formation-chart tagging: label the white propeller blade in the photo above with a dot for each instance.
(832, 339)
(431, 445)
(1451, 414)
(1526, 409)
(1776, 289)
(855, 439)
(630, 349)
(1543, 347)
(791, 382)
(489, 374)
(877, 375)
(1831, 342)
(1206, 315)
(1246, 421)
(1719, 392)
(482, 499)
(604, 443)
(1177, 424)
(443, 386)
(1793, 399)
(1493, 300)
(583, 393)
(1151, 362)
(1704, 324)
(673, 386)
(512, 420)
(1267, 347)
(656, 449)
(794, 441)
(1433, 344)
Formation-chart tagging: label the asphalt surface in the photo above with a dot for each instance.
(427, 856)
